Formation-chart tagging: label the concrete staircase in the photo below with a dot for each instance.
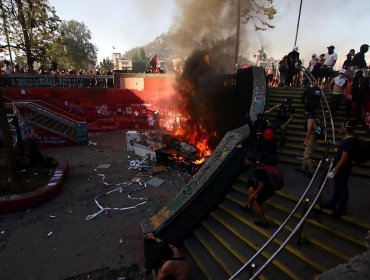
(293, 149)
(44, 115)
(227, 238)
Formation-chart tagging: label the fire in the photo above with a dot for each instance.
(201, 143)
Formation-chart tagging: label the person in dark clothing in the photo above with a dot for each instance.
(259, 190)
(174, 265)
(293, 61)
(359, 88)
(342, 169)
(348, 62)
(359, 58)
(311, 97)
(283, 118)
(268, 148)
(257, 129)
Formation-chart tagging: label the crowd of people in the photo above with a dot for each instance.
(288, 74)
(263, 147)
(7, 69)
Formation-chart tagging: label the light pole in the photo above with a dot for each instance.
(299, 18)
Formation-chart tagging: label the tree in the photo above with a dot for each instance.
(72, 49)
(139, 60)
(255, 11)
(30, 26)
(106, 65)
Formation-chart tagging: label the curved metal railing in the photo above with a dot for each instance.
(325, 165)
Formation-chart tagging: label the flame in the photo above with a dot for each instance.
(200, 142)
(196, 136)
(179, 132)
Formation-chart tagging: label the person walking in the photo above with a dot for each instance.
(309, 144)
(342, 169)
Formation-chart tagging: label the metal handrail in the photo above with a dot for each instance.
(280, 227)
(297, 227)
(303, 197)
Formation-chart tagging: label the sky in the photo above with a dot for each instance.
(125, 24)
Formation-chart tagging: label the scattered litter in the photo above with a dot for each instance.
(104, 166)
(50, 233)
(155, 182)
(105, 209)
(92, 143)
(143, 163)
(2, 232)
(135, 179)
(52, 216)
(120, 278)
(159, 168)
(121, 241)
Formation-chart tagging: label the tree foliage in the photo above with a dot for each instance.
(72, 49)
(139, 60)
(29, 27)
(106, 65)
(258, 12)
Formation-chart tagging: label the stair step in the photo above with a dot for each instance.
(288, 254)
(203, 259)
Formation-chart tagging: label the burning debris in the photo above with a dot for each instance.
(171, 149)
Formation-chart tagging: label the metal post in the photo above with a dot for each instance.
(252, 270)
(300, 231)
(299, 18)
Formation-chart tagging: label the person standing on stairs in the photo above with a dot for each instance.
(293, 65)
(338, 88)
(309, 144)
(328, 66)
(311, 98)
(283, 117)
(342, 169)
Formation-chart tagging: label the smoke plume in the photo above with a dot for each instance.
(206, 25)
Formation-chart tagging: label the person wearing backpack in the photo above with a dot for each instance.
(309, 144)
(342, 169)
(260, 186)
